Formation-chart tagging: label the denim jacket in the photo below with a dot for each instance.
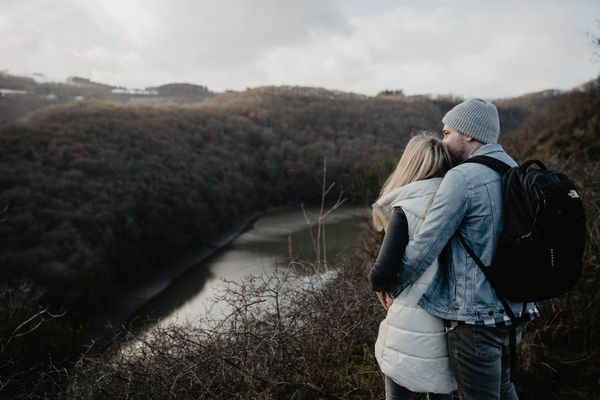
(469, 201)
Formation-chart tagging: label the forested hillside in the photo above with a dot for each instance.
(568, 127)
(97, 195)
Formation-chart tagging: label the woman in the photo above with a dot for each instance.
(411, 345)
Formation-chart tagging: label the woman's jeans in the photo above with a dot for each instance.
(393, 391)
(480, 361)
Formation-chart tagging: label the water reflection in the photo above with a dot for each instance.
(255, 252)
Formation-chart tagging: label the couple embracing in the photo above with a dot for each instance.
(445, 329)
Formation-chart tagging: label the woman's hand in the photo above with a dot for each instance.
(385, 299)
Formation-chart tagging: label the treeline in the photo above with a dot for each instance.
(96, 196)
(323, 345)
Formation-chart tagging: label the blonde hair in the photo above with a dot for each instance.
(424, 157)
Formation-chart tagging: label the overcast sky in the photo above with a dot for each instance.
(467, 48)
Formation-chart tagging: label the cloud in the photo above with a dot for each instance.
(187, 39)
(192, 38)
(465, 48)
(486, 49)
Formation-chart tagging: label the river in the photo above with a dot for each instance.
(267, 242)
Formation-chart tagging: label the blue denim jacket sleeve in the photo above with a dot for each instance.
(442, 221)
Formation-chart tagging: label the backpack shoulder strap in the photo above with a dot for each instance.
(515, 321)
(490, 162)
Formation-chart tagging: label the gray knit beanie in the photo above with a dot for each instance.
(476, 118)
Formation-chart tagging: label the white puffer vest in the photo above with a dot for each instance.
(411, 346)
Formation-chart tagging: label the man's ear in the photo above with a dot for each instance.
(468, 138)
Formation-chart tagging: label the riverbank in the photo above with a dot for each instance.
(128, 300)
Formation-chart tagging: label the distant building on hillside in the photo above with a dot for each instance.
(10, 92)
(137, 92)
(86, 83)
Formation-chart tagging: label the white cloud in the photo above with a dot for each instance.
(466, 48)
(489, 50)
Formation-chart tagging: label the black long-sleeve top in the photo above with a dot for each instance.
(385, 271)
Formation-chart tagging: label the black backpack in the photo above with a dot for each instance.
(540, 251)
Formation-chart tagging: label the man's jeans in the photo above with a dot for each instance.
(393, 391)
(479, 358)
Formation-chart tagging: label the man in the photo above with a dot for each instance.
(468, 203)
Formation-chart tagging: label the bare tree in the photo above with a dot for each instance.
(319, 241)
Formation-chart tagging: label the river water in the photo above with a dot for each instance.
(266, 245)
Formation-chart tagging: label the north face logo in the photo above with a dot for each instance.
(573, 194)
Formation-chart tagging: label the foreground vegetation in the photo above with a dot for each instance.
(301, 336)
